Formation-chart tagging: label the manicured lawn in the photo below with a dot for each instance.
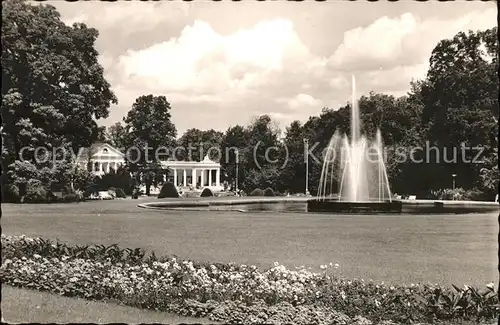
(30, 306)
(441, 249)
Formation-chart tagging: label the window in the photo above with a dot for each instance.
(105, 150)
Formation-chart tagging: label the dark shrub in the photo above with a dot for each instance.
(168, 190)
(92, 189)
(118, 179)
(71, 198)
(10, 193)
(67, 190)
(206, 193)
(120, 193)
(257, 192)
(457, 194)
(35, 192)
(51, 197)
(269, 192)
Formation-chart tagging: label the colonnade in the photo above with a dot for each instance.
(205, 174)
(104, 166)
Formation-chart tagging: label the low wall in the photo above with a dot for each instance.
(280, 204)
(447, 206)
(299, 204)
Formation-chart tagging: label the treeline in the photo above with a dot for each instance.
(54, 91)
(446, 125)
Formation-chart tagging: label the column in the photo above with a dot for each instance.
(193, 177)
(210, 177)
(175, 177)
(217, 177)
(202, 178)
(116, 166)
(185, 177)
(108, 167)
(100, 166)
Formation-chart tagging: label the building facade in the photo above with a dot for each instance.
(101, 158)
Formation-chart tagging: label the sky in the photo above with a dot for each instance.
(223, 63)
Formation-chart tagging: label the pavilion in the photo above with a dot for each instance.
(102, 157)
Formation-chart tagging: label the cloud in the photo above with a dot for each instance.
(143, 16)
(216, 74)
(201, 62)
(301, 101)
(81, 18)
(404, 40)
(374, 44)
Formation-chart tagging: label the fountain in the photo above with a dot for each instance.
(357, 167)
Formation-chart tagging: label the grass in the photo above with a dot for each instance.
(442, 249)
(30, 306)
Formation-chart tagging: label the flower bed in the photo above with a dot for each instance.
(231, 293)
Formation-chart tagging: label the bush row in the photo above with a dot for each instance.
(457, 194)
(36, 193)
(229, 292)
(267, 192)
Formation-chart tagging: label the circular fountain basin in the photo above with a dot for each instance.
(241, 204)
(401, 206)
(336, 206)
(328, 205)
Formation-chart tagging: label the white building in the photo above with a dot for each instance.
(102, 157)
(205, 173)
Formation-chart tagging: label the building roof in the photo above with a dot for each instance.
(86, 153)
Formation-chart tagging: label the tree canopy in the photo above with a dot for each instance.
(53, 87)
(150, 137)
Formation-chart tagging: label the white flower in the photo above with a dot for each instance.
(36, 256)
(336, 265)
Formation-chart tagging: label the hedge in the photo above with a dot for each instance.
(269, 192)
(206, 193)
(168, 190)
(257, 192)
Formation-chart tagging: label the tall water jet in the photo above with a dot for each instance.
(353, 167)
(355, 120)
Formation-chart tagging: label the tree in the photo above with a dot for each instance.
(460, 100)
(319, 130)
(150, 138)
(262, 153)
(460, 91)
(233, 146)
(292, 177)
(53, 87)
(195, 144)
(262, 135)
(102, 135)
(117, 135)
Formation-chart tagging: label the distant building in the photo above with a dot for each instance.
(100, 158)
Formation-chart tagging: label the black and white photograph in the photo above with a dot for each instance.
(250, 162)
